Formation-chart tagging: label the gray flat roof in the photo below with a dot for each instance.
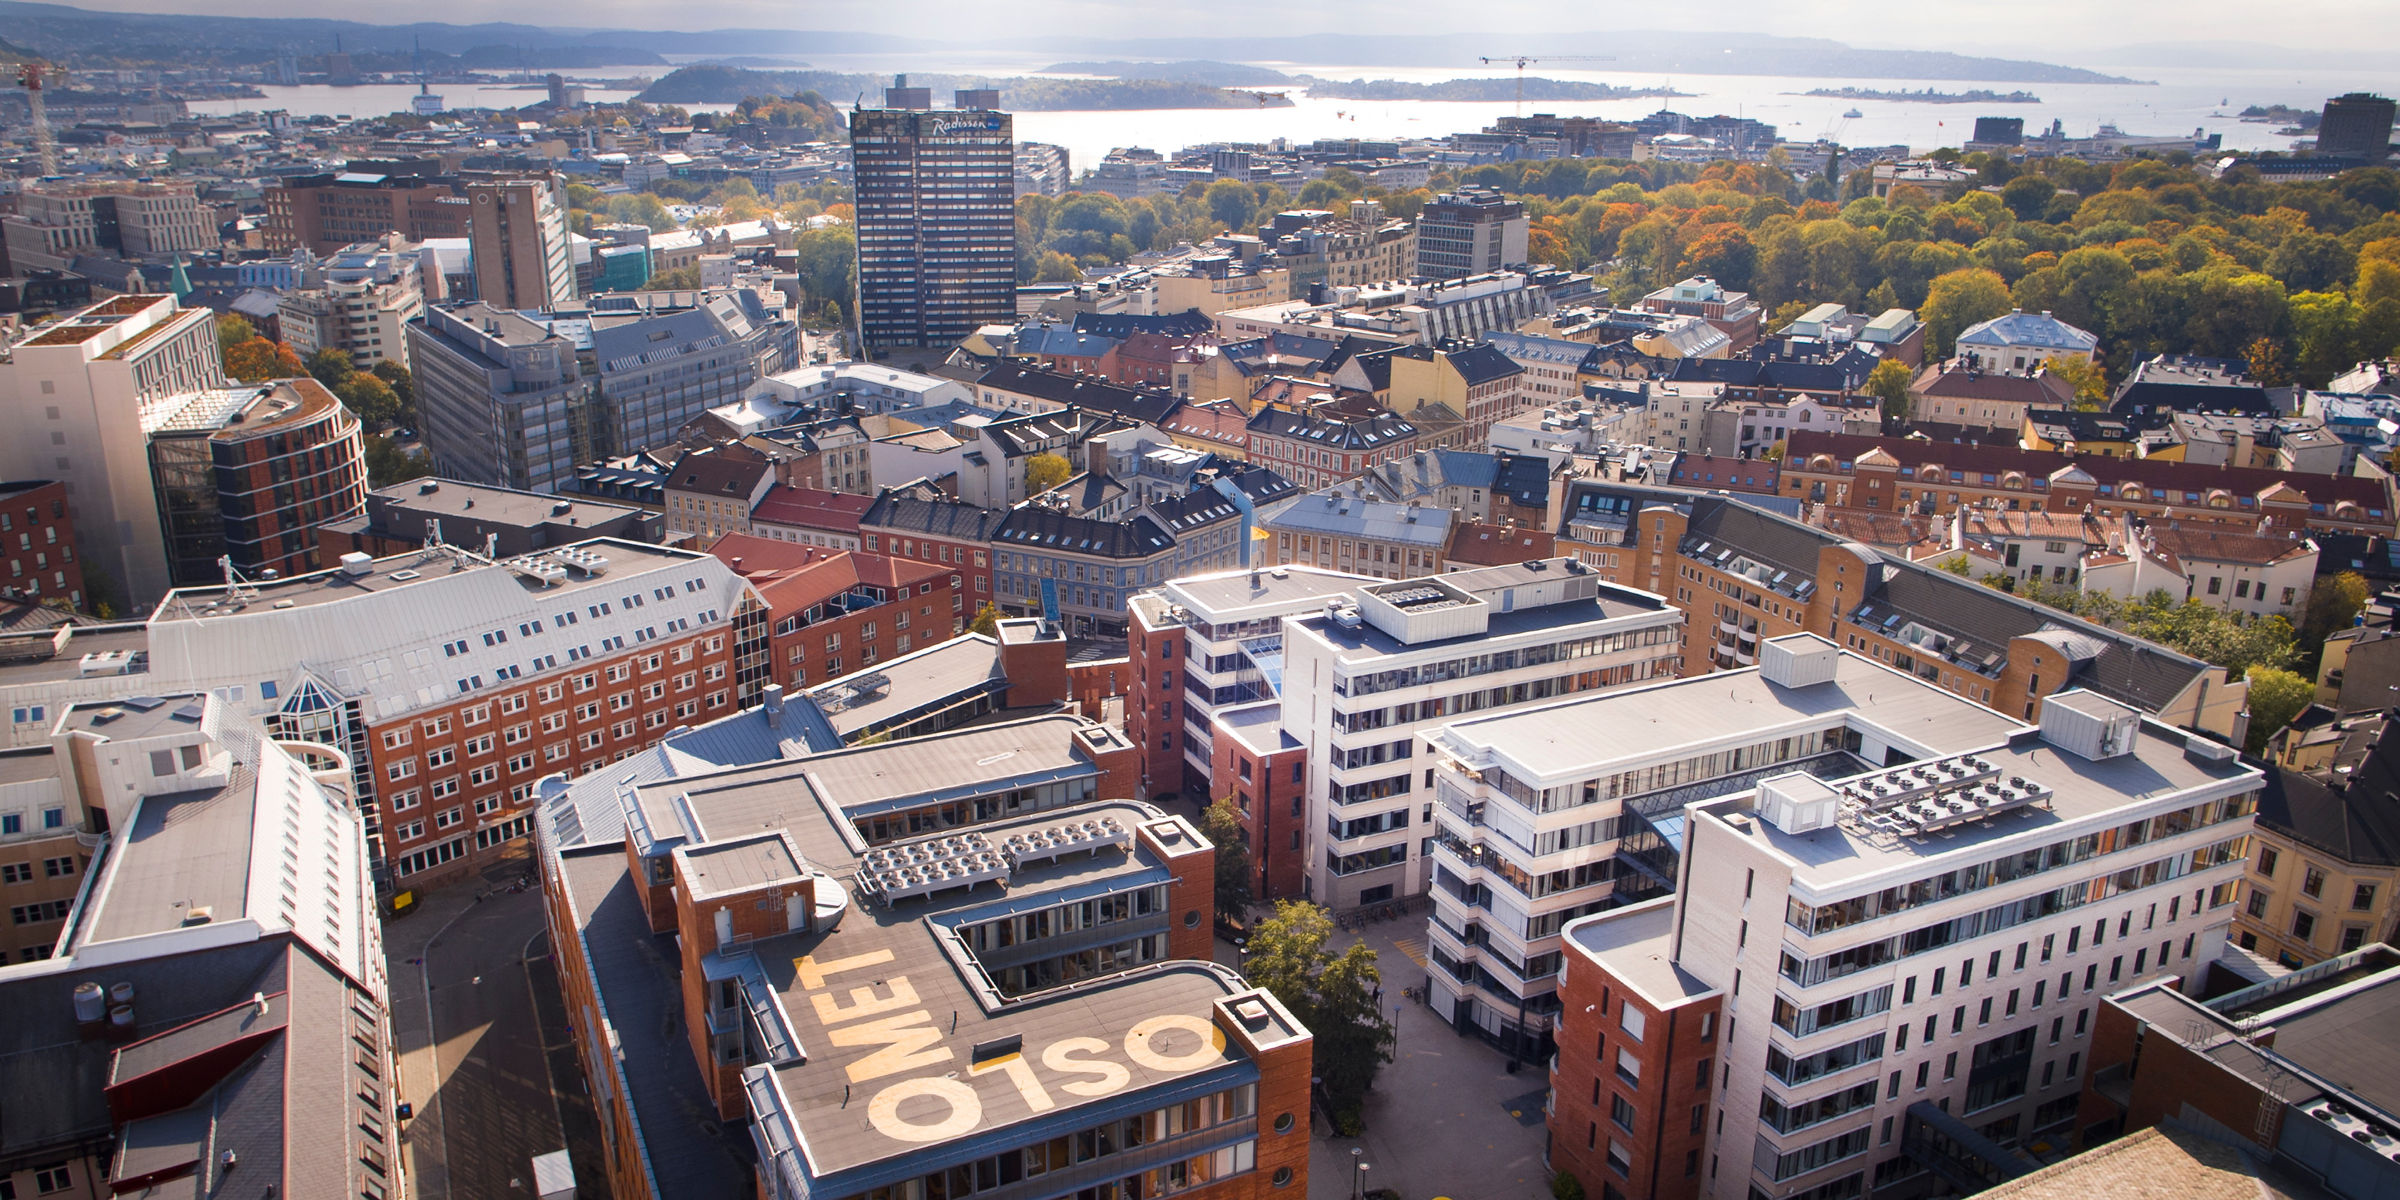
(135, 717)
(401, 570)
(737, 865)
(1590, 735)
(1833, 860)
(1259, 726)
(183, 852)
(28, 658)
(926, 678)
(1637, 944)
(2351, 1041)
(496, 505)
(1366, 642)
(1226, 595)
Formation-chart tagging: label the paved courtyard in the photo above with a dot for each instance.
(1446, 1119)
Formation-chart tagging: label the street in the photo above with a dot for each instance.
(481, 1037)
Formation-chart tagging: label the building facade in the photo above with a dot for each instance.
(2032, 873)
(1468, 232)
(517, 239)
(937, 229)
(89, 387)
(245, 476)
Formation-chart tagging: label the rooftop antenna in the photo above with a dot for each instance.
(236, 587)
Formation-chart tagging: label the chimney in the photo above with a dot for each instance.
(771, 699)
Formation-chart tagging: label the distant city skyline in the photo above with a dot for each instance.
(2029, 29)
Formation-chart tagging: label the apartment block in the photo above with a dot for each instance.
(1941, 896)
(55, 220)
(1468, 232)
(1745, 573)
(88, 389)
(517, 239)
(363, 202)
(2324, 877)
(359, 301)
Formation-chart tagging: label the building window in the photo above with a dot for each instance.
(2304, 925)
(2312, 882)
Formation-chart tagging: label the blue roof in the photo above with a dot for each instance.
(2028, 329)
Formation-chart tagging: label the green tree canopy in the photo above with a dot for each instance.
(1888, 383)
(1332, 994)
(232, 330)
(1222, 825)
(1958, 299)
(2276, 697)
(330, 366)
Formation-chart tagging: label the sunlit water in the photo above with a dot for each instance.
(2182, 100)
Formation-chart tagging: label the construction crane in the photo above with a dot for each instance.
(1522, 59)
(33, 77)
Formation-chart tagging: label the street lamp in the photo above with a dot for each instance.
(1358, 1174)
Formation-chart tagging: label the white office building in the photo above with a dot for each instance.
(1907, 922)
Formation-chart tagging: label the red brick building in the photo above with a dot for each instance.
(1635, 1071)
(454, 682)
(838, 611)
(37, 538)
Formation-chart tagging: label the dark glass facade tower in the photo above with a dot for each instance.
(937, 222)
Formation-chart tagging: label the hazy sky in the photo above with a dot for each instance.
(2051, 30)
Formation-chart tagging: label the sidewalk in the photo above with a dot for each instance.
(1445, 1118)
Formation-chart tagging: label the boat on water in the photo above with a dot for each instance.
(1852, 115)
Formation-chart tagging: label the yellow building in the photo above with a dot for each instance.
(2324, 861)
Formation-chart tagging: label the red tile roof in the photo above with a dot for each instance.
(1477, 544)
(811, 508)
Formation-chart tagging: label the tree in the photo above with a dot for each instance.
(1958, 299)
(403, 385)
(1564, 1186)
(1045, 471)
(371, 398)
(259, 360)
(1888, 383)
(2268, 363)
(987, 620)
(1222, 825)
(232, 330)
(2332, 605)
(2276, 697)
(679, 279)
(1333, 995)
(330, 366)
(2088, 377)
(387, 464)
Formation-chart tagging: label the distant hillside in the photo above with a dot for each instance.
(11, 53)
(725, 85)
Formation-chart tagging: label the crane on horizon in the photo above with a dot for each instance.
(1522, 59)
(34, 77)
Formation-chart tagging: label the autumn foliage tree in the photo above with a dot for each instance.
(259, 360)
